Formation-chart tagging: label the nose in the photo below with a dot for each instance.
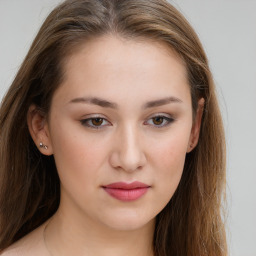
(128, 153)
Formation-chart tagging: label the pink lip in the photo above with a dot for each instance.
(126, 191)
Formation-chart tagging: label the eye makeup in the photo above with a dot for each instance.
(156, 121)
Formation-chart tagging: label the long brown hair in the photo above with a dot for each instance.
(192, 222)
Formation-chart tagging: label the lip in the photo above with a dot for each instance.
(126, 191)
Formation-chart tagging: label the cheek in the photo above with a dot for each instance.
(171, 150)
(168, 161)
(170, 167)
(77, 155)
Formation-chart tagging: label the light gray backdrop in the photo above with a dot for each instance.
(227, 29)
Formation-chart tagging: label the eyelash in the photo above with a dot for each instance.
(167, 121)
(86, 121)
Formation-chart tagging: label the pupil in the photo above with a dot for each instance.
(97, 121)
(158, 120)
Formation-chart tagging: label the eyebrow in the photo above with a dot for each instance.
(106, 104)
(161, 102)
(95, 101)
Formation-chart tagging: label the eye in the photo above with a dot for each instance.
(159, 121)
(95, 122)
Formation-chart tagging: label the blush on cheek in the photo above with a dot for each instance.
(169, 161)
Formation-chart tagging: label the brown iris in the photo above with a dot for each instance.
(158, 120)
(97, 121)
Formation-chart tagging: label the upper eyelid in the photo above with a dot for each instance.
(168, 116)
(161, 114)
(107, 119)
(94, 116)
(165, 117)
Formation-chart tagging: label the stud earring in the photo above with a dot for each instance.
(41, 145)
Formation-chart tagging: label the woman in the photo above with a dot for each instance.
(123, 150)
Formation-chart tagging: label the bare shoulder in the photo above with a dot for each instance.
(30, 245)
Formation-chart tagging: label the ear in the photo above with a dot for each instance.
(195, 131)
(39, 130)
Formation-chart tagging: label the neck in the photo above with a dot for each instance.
(73, 236)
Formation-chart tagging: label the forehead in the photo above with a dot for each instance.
(112, 65)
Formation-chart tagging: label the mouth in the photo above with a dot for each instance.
(126, 191)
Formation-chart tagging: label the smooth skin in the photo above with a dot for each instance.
(122, 114)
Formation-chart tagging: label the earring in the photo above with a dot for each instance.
(41, 145)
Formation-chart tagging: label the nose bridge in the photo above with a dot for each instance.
(130, 152)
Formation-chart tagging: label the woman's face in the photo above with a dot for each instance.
(120, 126)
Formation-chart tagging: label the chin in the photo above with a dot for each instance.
(128, 221)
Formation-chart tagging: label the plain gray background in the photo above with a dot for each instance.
(227, 29)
